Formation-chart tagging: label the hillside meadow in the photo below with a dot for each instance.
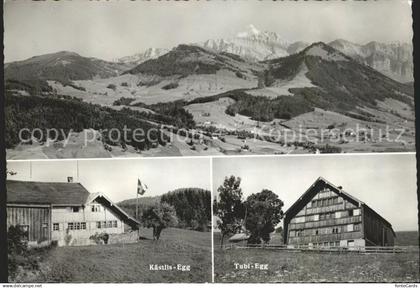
(127, 263)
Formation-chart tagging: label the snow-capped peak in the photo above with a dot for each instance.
(150, 53)
(250, 31)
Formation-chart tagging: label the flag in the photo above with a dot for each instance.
(141, 188)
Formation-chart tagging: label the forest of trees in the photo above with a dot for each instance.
(192, 207)
(171, 113)
(74, 115)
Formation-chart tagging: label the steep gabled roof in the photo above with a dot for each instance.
(99, 197)
(314, 189)
(53, 193)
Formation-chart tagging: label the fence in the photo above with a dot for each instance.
(336, 249)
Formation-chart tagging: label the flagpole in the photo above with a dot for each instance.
(137, 211)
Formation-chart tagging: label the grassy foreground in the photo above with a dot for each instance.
(284, 266)
(287, 266)
(128, 262)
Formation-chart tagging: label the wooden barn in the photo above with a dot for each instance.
(63, 212)
(325, 215)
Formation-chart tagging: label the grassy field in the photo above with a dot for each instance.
(129, 262)
(286, 266)
(407, 238)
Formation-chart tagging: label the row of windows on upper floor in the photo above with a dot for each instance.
(325, 193)
(325, 202)
(82, 225)
(93, 208)
(326, 216)
(326, 230)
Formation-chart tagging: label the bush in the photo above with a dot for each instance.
(100, 238)
(17, 240)
(170, 86)
(17, 247)
(112, 87)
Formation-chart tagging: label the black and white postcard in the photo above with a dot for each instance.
(236, 141)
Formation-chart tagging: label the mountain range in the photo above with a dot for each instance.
(391, 59)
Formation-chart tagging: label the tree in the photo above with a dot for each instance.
(264, 212)
(192, 206)
(229, 208)
(158, 217)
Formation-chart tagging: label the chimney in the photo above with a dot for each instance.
(69, 179)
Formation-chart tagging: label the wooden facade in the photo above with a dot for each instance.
(35, 219)
(71, 223)
(325, 215)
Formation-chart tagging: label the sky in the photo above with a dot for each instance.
(113, 29)
(117, 178)
(385, 182)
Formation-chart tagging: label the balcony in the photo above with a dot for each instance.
(326, 223)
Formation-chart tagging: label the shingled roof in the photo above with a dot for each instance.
(54, 193)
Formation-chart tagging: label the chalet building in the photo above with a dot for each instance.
(63, 212)
(325, 215)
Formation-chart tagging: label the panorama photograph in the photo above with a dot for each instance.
(143, 79)
(324, 218)
(120, 221)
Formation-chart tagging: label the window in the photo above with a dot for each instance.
(316, 217)
(350, 243)
(299, 232)
(75, 209)
(115, 224)
(356, 227)
(338, 214)
(350, 228)
(350, 212)
(316, 232)
(337, 243)
(56, 227)
(96, 208)
(356, 212)
(76, 225)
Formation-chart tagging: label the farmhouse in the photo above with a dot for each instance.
(64, 212)
(325, 215)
